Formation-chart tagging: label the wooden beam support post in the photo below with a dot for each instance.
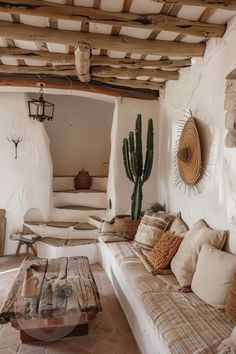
(82, 62)
(95, 40)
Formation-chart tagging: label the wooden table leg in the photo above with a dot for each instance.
(18, 248)
(31, 246)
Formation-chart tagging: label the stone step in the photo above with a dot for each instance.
(66, 183)
(87, 197)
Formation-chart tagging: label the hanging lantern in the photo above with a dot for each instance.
(40, 109)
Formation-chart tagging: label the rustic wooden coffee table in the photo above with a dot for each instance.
(51, 298)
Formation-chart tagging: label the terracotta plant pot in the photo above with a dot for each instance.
(126, 227)
(83, 180)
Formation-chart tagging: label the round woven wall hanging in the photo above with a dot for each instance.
(189, 163)
(189, 155)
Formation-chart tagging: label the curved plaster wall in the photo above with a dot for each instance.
(25, 182)
(202, 89)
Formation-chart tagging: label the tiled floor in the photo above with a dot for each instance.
(109, 333)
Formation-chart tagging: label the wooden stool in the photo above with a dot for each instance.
(29, 245)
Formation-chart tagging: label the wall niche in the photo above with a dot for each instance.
(230, 107)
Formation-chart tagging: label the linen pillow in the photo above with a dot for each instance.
(164, 250)
(214, 275)
(177, 226)
(183, 265)
(230, 306)
(151, 227)
(107, 228)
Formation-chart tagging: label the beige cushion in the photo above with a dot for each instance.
(164, 250)
(177, 226)
(151, 227)
(183, 265)
(214, 275)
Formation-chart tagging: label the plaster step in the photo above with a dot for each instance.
(95, 220)
(80, 213)
(62, 229)
(66, 183)
(87, 197)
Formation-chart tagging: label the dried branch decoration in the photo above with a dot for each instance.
(16, 141)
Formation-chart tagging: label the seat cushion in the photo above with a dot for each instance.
(186, 323)
(183, 265)
(214, 275)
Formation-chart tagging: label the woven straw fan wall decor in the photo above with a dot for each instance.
(189, 161)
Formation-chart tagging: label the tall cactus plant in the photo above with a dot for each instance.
(133, 163)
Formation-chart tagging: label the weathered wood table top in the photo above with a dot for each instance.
(46, 289)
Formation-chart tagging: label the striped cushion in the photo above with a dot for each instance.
(151, 227)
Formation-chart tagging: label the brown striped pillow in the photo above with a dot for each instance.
(164, 250)
(151, 227)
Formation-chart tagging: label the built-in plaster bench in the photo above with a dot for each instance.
(162, 319)
(64, 239)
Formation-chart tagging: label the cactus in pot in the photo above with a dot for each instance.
(137, 171)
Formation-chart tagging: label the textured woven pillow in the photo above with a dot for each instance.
(151, 227)
(230, 306)
(164, 250)
(183, 265)
(214, 275)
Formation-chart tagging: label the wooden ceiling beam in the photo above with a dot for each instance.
(157, 22)
(140, 84)
(37, 70)
(57, 58)
(96, 60)
(104, 71)
(216, 4)
(100, 60)
(107, 71)
(95, 40)
(28, 81)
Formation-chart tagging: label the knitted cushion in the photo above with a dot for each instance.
(164, 250)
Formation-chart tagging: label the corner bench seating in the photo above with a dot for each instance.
(163, 320)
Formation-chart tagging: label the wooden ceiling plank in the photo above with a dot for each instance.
(96, 4)
(107, 71)
(127, 5)
(158, 22)
(207, 14)
(63, 84)
(109, 42)
(132, 83)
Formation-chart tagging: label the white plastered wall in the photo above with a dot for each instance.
(201, 89)
(80, 134)
(119, 187)
(25, 182)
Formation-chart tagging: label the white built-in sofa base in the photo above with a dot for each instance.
(142, 327)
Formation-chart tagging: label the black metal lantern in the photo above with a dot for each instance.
(40, 109)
